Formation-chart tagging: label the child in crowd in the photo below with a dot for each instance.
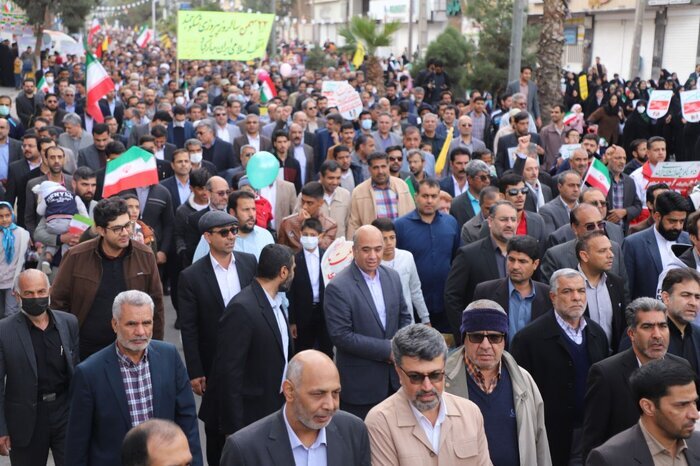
(14, 244)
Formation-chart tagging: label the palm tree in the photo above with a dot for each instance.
(549, 54)
(366, 32)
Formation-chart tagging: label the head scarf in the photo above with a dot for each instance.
(8, 237)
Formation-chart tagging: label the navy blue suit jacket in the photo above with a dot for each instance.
(324, 141)
(99, 415)
(189, 133)
(643, 262)
(170, 184)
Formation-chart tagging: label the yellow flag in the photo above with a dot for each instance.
(583, 86)
(359, 56)
(442, 158)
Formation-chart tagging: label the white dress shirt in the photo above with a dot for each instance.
(223, 134)
(459, 190)
(432, 431)
(315, 455)
(254, 141)
(664, 245)
(313, 265)
(300, 157)
(227, 279)
(276, 304)
(375, 289)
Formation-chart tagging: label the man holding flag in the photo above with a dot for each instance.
(98, 85)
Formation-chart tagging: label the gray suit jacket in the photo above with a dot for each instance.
(363, 344)
(630, 447)
(267, 442)
(19, 370)
(309, 163)
(471, 230)
(565, 233)
(15, 150)
(533, 102)
(393, 137)
(136, 133)
(89, 157)
(554, 214)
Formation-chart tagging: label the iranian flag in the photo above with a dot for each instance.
(144, 37)
(43, 87)
(94, 29)
(135, 168)
(267, 89)
(598, 176)
(98, 85)
(569, 118)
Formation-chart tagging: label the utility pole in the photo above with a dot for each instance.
(153, 18)
(637, 41)
(516, 40)
(410, 28)
(273, 33)
(422, 24)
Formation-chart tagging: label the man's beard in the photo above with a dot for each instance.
(669, 234)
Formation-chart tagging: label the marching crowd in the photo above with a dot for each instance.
(500, 307)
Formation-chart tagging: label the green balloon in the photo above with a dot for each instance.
(262, 169)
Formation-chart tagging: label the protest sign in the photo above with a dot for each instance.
(659, 102)
(680, 176)
(214, 35)
(336, 258)
(567, 149)
(690, 104)
(342, 95)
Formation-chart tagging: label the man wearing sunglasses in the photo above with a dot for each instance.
(513, 189)
(421, 418)
(557, 349)
(482, 371)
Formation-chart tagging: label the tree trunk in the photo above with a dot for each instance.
(550, 53)
(375, 74)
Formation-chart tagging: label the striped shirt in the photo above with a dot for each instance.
(386, 202)
(138, 387)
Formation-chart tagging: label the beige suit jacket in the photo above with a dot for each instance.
(396, 438)
(363, 202)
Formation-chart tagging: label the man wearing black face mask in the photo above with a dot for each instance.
(38, 352)
(648, 252)
(258, 345)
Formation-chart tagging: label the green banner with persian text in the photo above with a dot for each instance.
(213, 35)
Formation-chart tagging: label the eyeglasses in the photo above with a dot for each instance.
(595, 226)
(483, 178)
(219, 114)
(311, 108)
(224, 232)
(119, 228)
(516, 191)
(395, 159)
(222, 193)
(477, 338)
(417, 378)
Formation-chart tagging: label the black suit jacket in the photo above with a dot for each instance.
(630, 447)
(540, 348)
(301, 295)
(221, 155)
(247, 374)
(502, 162)
(497, 290)
(18, 370)
(118, 111)
(15, 150)
(688, 258)
(159, 215)
(89, 157)
(609, 405)
(461, 209)
(201, 306)
(616, 291)
(473, 264)
(267, 442)
(240, 141)
(18, 175)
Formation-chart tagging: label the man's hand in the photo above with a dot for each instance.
(199, 385)
(540, 150)
(293, 330)
(70, 239)
(391, 358)
(161, 257)
(538, 122)
(523, 145)
(303, 214)
(616, 215)
(5, 446)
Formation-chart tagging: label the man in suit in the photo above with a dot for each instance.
(556, 212)
(157, 442)
(206, 288)
(523, 299)
(538, 182)
(254, 347)
(127, 383)
(557, 350)
(680, 292)
(466, 205)
(282, 196)
(337, 199)
(160, 118)
(456, 183)
(94, 155)
(327, 137)
(624, 204)
(525, 82)
(471, 230)
(163, 149)
(250, 136)
(224, 130)
(691, 257)
(180, 130)
(397, 425)
(306, 317)
(110, 106)
(478, 262)
(364, 307)
(584, 218)
(303, 153)
(215, 150)
(609, 405)
(38, 353)
(664, 392)
(75, 136)
(521, 141)
(294, 433)
(513, 189)
(605, 291)
(14, 147)
(648, 252)
(20, 172)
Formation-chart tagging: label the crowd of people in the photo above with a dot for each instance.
(498, 308)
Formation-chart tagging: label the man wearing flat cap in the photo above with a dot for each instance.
(482, 371)
(206, 288)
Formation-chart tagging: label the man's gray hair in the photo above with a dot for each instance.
(519, 96)
(430, 115)
(69, 87)
(563, 273)
(248, 146)
(219, 108)
(644, 304)
(485, 304)
(193, 142)
(475, 167)
(134, 298)
(164, 106)
(26, 272)
(73, 119)
(418, 341)
(307, 101)
(253, 116)
(207, 123)
(295, 369)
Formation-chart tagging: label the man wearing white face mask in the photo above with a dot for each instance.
(194, 147)
(180, 130)
(306, 319)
